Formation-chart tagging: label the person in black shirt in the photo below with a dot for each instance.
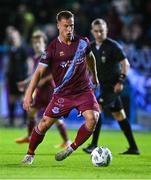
(17, 70)
(112, 67)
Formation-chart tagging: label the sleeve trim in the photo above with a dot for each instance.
(43, 64)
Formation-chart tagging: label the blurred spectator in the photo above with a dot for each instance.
(17, 70)
(118, 14)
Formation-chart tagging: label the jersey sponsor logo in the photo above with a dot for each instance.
(68, 63)
(56, 110)
(44, 55)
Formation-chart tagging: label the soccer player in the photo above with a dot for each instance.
(112, 67)
(43, 92)
(67, 56)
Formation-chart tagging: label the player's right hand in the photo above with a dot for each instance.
(27, 102)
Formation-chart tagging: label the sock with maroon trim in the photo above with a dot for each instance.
(36, 138)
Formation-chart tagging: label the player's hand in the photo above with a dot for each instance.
(118, 87)
(27, 102)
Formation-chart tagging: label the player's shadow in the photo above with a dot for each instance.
(19, 153)
(45, 154)
(12, 153)
(15, 166)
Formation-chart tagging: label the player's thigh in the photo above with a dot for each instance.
(116, 105)
(117, 109)
(45, 123)
(87, 101)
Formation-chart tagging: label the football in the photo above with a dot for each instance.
(101, 156)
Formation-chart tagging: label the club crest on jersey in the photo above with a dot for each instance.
(44, 55)
(103, 59)
(56, 110)
(61, 53)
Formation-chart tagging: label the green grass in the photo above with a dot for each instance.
(78, 165)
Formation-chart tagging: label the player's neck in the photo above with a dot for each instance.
(65, 41)
(38, 53)
(98, 42)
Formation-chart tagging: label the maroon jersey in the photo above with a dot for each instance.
(68, 65)
(49, 84)
(45, 92)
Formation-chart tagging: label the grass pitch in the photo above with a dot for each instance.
(78, 165)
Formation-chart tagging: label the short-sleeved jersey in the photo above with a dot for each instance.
(50, 85)
(108, 56)
(68, 65)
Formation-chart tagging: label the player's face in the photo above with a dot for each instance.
(38, 44)
(99, 32)
(15, 38)
(66, 28)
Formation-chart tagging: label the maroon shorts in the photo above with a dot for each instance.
(61, 105)
(42, 98)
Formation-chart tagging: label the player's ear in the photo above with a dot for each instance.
(91, 31)
(106, 30)
(57, 25)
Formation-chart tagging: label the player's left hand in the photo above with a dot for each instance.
(118, 87)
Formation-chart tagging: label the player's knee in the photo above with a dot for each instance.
(44, 124)
(119, 116)
(92, 120)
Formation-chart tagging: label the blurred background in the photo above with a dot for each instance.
(129, 22)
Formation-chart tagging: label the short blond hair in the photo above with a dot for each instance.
(99, 21)
(64, 15)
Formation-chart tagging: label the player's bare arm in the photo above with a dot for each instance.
(92, 67)
(32, 86)
(124, 69)
(44, 80)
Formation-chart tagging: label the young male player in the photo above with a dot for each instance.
(67, 56)
(43, 92)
